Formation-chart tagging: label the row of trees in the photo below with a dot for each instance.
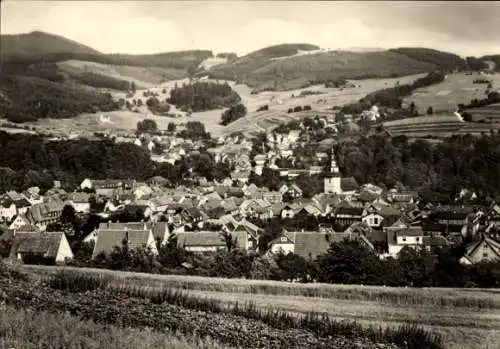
(344, 263)
(102, 81)
(201, 96)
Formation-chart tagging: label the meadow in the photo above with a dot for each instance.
(457, 88)
(465, 318)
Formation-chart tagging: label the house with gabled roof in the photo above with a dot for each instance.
(492, 217)
(282, 244)
(347, 215)
(107, 240)
(43, 214)
(484, 249)
(19, 222)
(22, 205)
(80, 202)
(33, 195)
(47, 247)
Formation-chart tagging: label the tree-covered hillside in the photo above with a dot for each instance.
(443, 60)
(27, 98)
(302, 70)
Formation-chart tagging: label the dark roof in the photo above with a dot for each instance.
(435, 241)
(159, 230)
(393, 232)
(22, 202)
(452, 215)
(108, 239)
(376, 235)
(194, 212)
(310, 244)
(123, 226)
(209, 239)
(39, 212)
(37, 243)
(349, 184)
(353, 211)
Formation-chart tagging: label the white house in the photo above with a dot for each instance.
(374, 220)
(412, 237)
(80, 202)
(18, 222)
(482, 250)
(283, 244)
(86, 184)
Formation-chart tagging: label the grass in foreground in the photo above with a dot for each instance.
(29, 330)
(393, 296)
(407, 336)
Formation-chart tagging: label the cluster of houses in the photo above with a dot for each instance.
(383, 221)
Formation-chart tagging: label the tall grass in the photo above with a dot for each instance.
(29, 330)
(409, 336)
(387, 295)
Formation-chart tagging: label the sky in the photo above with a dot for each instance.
(142, 27)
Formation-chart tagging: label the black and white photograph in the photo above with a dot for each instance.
(249, 174)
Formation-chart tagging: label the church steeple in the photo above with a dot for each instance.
(334, 170)
(333, 179)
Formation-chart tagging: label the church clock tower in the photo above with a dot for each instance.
(333, 178)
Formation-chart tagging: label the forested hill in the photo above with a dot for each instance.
(40, 43)
(272, 68)
(443, 60)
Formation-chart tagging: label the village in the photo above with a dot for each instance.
(384, 221)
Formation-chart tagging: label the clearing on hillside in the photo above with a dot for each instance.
(457, 88)
(144, 77)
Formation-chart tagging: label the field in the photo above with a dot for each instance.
(456, 89)
(439, 126)
(466, 318)
(144, 77)
(26, 329)
(279, 103)
(489, 113)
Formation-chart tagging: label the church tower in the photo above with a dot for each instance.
(333, 178)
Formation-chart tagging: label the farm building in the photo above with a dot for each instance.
(41, 248)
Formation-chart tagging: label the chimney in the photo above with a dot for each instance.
(109, 223)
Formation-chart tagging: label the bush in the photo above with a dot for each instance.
(263, 108)
(234, 113)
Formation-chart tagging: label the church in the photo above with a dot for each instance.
(336, 184)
